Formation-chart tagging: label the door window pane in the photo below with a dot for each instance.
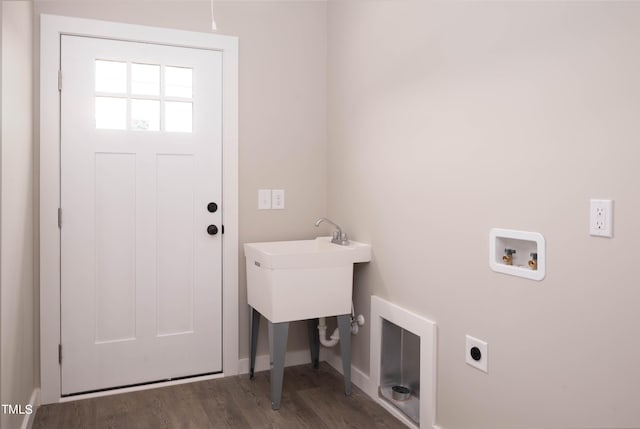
(111, 113)
(145, 79)
(145, 115)
(178, 116)
(111, 76)
(178, 82)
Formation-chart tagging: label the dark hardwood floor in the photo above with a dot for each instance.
(310, 399)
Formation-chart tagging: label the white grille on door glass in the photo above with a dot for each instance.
(143, 97)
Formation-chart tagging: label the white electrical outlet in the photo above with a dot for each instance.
(277, 198)
(476, 353)
(264, 199)
(601, 218)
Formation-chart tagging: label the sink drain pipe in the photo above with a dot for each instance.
(356, 322)
(322, 331)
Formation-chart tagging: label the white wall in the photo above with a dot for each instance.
(17, 339)
(282, 85)
(449, 118)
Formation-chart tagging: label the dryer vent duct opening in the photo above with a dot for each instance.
(400, 369)
(403, 363)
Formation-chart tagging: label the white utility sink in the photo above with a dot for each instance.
(304, 279)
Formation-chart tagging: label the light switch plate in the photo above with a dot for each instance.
(277, 198)
(264, 199)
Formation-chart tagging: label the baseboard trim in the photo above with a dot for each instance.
(34, 401)
(358, 377)
(263, 362)
(363, 381)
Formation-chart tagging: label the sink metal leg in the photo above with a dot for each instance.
(253, 345)
(344, 327)
(279, 333)
(314, 342)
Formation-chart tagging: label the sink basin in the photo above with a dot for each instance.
(317, 253)
(304, 279)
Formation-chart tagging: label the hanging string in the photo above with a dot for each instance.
(214, 27)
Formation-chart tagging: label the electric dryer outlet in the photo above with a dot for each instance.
(477, 353)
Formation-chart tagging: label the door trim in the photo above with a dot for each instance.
(51, 29)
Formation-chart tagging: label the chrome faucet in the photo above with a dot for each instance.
(339, 237)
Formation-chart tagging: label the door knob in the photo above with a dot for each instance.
(212, 230)
(212, 207)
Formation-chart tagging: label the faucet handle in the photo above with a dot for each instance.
(343, 239)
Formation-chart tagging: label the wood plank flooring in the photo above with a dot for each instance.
(310, 399)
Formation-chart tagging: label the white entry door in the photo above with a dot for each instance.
(141, 134)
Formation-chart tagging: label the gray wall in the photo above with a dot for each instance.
(282, 108)
(449, 118)
(17, 334)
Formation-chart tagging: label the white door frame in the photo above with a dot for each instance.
(51, 29)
